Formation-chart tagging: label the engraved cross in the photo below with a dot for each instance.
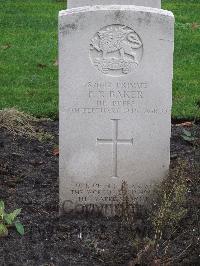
(115, 142)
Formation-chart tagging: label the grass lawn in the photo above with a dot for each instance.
(28, 52)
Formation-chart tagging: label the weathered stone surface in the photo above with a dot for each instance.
(115, 68)
(148, 3)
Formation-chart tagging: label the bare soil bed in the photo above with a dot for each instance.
(29, 180)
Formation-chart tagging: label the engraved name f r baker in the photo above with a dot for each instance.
(114, 48)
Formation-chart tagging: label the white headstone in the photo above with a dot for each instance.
(115, 68)
(79, 3)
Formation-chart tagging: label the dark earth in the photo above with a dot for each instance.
(29, 180)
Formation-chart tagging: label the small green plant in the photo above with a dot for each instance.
(188, 136)
(8, 220)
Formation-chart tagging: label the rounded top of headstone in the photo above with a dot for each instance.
(85, 9)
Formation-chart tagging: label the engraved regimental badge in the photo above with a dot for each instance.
(116, 50)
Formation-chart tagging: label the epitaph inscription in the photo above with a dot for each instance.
(116, 50)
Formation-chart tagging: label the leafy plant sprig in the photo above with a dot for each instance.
(187, 136)
(8, 220)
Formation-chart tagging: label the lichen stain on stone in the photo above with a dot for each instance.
(118, 15)
(77, 24)
(72, 26)
(82, 21)
(67, 28)
(145, 19)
